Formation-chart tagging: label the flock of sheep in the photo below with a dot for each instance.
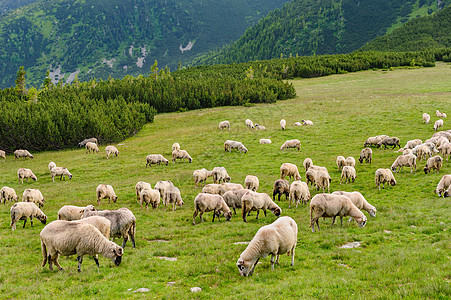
(87, 231)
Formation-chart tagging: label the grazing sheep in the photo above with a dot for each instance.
(438, 124)
(224, 124)
(408, 160)
(306, 122)
(423, 152)
(348, 173)
(105, 191)
(407, 151)
(3, 154)
(60, 171)
(51, 165)
(172, 195)
(283, 123)
(111, 150)
(210, 202)
(311, 174)
(220, 173)
(123, 223)
(182, 155)
(382, 136)
(281, 187)
(277, 238)
(233, 198)
(92, 147)
(445, 150)
(7, 194)
(350, 161)
(298, 192)
(307, 163)
(366, 154)
(175, 146)
(439, 114)
(331, 206)
(371, 141)
(141, 185)
(22, 153)
(228, 186)
(290, 170)
(265, 141)
(251, 182)
(253, 201)
(341, 162)
(392, 141)
(359, 201)
(84, 142)
(249, 124)
(200, 176)
(69, 238)
(25, 210)
(153, 159)
(260, 127)
(211, 188)
(322, 181)
(297, 124)
(412, 143)
(71, 213)
(429, 145)
(161, 186)
(443, 185)
(229, 145)
(426, 118)
(434, 162)
(440, 141)
(383, 176)
(33, 195)
(149, 196)
(291, 144)
(25, 173)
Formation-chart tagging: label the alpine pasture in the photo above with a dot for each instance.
(404, 249)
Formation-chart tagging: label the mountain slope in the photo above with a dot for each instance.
(6, 5)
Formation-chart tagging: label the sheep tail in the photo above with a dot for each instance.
(44, 253)
(243, 212)
(13, 217)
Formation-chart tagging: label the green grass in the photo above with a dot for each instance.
(405, 249)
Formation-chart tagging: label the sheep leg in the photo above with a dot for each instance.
(49, 258)
(23, 224)
(272, 261)
(80, 260)
(258, 211)
(234, 210)
(31, 221)
(97, 261)
(194, 217)
(201, 217)
(264, 211)
(341, 221)
(350, 219)
(214, 214)
(55, 260)
(125, 241)
(253, 267)
(277, 259)
(333, 221)
(132, 237)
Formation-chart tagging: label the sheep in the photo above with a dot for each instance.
(233, 198)
(331, 206)
(392, 141)
(408, 160)
(123, 223)
(110, 150)
(439, 114)
(153, 159)
(25, 173)
(341, 162)
(101, 223)
(161, 186)
(172, 195)
(350, 161)
(366, 154)
(443, 185)
(359, 201)
(407, 151)
(84, 142)
(298, 192)
(434, 162)
(33, 195)
(200, 176)
(25, 210)
(423, 151)
(210, 202)
(440, 141)
(290, 170)
(426, 118)
(51, 165)
(383, 176)
(297, 124)
(175, 146)
(182, 155)
(22, 153)
(291, 144)
(229, 145)
(306, 122)
(265, 141)
(141, 185)
(445, 150)
(348, 173)
(220, 173)
(312, 172)
(412, 143)
(260, 127)
(322, 181)
(429, 145)
(105, 191)
(307, 163)
(8, 194)
(253, 201)
(382, 136)
(371, 141)
(224, 124)
(277, 238)
(438, 124)
(60, 171)
(249, 124)
(251, 182)
(283, 123)
(91, 147)
(212, 188)
(281, 187)
(149, 196)
(228, 186)
(71, 213)
(69, 238)
(3, 154)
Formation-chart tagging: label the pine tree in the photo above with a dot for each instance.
(20, 81)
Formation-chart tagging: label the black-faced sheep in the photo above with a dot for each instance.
(307, 122)
(434, 162)
(25, 210)
(290, 170)
(348, 174)
(220, 173)
(297, 124)
(111, 150)
(90, 146)
(383, 176)
(253, 201)
(25, 173)
(366, 154)
(105, 191)
(71, 213)
(408, 160)
(182, 155)
(224, 125)
(62, 172)
(443, 185)
(260, 127)
(7, 194)
(298, 192)
(210, 202)
(281, 187)
(291, 144)
(153, 159)
(251, 182)
(33, 195)
(392, 141)
(84, 142)
(22, 153)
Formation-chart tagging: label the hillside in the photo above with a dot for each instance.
(6, 5)
(99, 38)
(309, 27)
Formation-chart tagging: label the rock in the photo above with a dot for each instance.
(141, 290)
(171, 283)
(195, 289)
(241, 243)
(167, 258)
(387, 231)
(351, 245)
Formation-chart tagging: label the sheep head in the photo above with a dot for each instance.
(42, 218)
(277, 211)
(361, 221)
(245, 267)
(372, 212)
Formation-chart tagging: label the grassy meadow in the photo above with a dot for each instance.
(405, 249)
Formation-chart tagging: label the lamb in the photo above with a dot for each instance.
(200, 176)
(348, 173)
(383, 176)
(155, 159)
(297, 124)
(341, 162)
(260, 127)
(3, 154)
(220, 173)
(175, 146)
(161, 186)
(306, 122)
(210, 202)
(181, 154)
(33, 195)
(423, 151)
(228, 186)
(141, 185)
(283, 123)
(60, 171)
(291, 144)
(25, 173)
(298, 192)
(426, 118)
(51, 165)
(229, 145)
(212, 188)
(7, 194)
(265, 141)
(359, 201)
(307, 163)
(25, 210)
(408, 160)
(84, 142)
(439, 114)
(371, 141)
(277, 238)
(438, 124)
(392, 141)
(149, 196)
(105, 191)
(172, 195)
(71, 213)
(350, 161)
(22, 153)
(249, 124)
(111, 150)
(233, 198)
(69, 238)
(445, 150)
(251, 182)
(412, 143)
(123, 223)
(443, 185)
(224, 124)
(366, 154)
(331, 206)
(281, 187)
(290, 170)
(253, 201)
(434, 162)
(90, 146)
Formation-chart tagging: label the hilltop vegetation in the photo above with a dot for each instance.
(6, 5)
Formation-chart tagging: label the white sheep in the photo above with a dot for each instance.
(434, 162)
(408, 160)
(359, 201)
(200, 176)
(212, 188)
(101, 223)
(265, 141)
(51, 165)
(426, 118)
(220, 173)
(71, 212)
(383, 176)
(229, 145)
(175, 146)
(306, 122)
(161, 186)
(84, 142)
(366, 154)
(445, 150)
(277, 238)
(312, 175)
(251, 182)
(25, 210)
(439, 114)
(3, 154)
(260, 127)
(111, 150)
(224, 124)
(105, 191)
(281, 187)
(307, 163)
(180, 154)
(153, 159)
(412, 143)
(22, 153)
(8, 194)
(283, 123)
(60, 171)
(172, 195)
(25, 173)
(407, 151)
(298, 192)
(443, 185)
(90, 146)
(210, 202)
(290, 170)
(322, 180)
(438, 124)
(331, 206)
(422, 152)
(253, 201)
(350, 161)
(371, 141)
(139, 186)
(233, 198)
(149, 196)
(249, 124)
(341, 162)
(291, 144)
(297, 124)
(33, 195)
(228, 186)
(348, 174)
